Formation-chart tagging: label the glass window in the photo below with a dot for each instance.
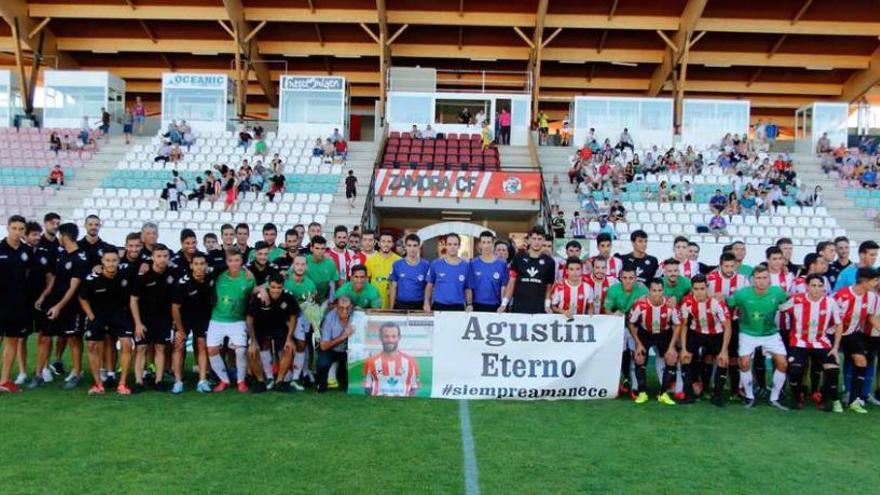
(450, 111)
(312, 107)
(520, 117)
(197, 104)
(74, 102)
(4, 105)
(830, 118)
(410, 109)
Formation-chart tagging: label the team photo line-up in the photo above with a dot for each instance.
(277, 315)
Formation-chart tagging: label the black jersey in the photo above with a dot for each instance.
(273, 317)
(106, 296)
(179, 265)
(262, 274)
(94, 251)
(146, 256)
(70, 265)
(153, 291)
(130, 269)
(217, 260)
(14, 264)
(283, 263)
(645, 267)
(533, 275)
(41, 263)
(196, 300)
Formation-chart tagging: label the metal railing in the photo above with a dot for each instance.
(544, 212)
(367, 215)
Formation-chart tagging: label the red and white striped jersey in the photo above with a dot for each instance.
(613, 265)
(782, 279)
(811, 321)
(600, 292)
(799, 286)
(394, 375)
(360, 258)
(654, 319)
(718, 283)
(568, 296)
(688, 268)
(705, 317)
(344, 262)
(560, 269)
(855, 309)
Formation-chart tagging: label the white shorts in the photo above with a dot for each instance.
(770, 344)
(220, 330)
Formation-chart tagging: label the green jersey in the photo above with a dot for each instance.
(322, 274)
(618, 300)
(745, 269)
(758, 312)
(274, 253)
(681, 288)
(304, 291)
(367, 298)
(232, 297)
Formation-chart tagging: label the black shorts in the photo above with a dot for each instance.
(802, 355)
(709, 344)
(117, 325)
(409, 305)
(17, 323)
(853, 343)
(271, 340)
(158, 333)
(486, 308)
(198, 329)
(447, 307)
(659, 341)
(350, 194)
(873, 347)
(64, 324)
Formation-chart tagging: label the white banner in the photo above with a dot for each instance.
(513, 356)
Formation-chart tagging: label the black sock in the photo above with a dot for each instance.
(668, 377)
(687, 375)
(641, 378)
(858, 384)
(734, 382)
(624, 365)
(829, 390)
(795, 373)
(815, 374)
(706, 374)
(720, 378)
(760, 368)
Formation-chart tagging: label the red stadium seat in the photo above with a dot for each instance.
(452, 136)
(395, 134)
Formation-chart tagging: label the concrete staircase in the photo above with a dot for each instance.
(515, 156)
(361, 159)
(90, 176)
(554, 161)
(858, 227)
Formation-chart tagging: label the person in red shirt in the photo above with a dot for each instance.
(654, 322)
(572, 296)
(705, 332)
(341, 148)
(56, 177)
(599, 281)
(858, 308)
(812, 316)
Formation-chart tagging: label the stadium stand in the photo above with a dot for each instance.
(450, 152)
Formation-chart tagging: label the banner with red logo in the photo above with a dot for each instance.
(457, 184)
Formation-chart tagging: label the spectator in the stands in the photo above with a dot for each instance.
(328, 151)
(616, 212)
(543, 128)
(558, 224)
(606, 227)
(164, 153)
(105, 124)
(198, 192)
(591, 209)
(464, 116)
(776, 196)
(277, 164)
(504, 120)
(318, 147)
(771, 131)
(554, 192)
(230, 190)
(718, 202)
(54, 142)
(565, 132)
(626, 140)
(687, 192)
(341, 148)
(351, 189)
(84, 130)
(176, 154)
(717, 225)
(127, 125)
(68, 143)
(140, 115)
(245, 137)
(868, 179)
(429, 133)
(485, 136)
(823, 145)
(733, 206)
(258, 131)
(187, 137)
(578, 226)
(336, 136)
(55, 177)
(276, 185)
(260, 147)
(415, 133)
(480, 118)
(748, 204)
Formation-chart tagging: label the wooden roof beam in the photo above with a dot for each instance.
(11, 10)
(244, 36)
(862, 81)
(687, 25)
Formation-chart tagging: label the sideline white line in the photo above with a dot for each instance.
(471, 475)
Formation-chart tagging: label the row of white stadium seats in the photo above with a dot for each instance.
(242, 197)
(211, 226)
(310, 166)
(232, 137)
(748, 220)
(290, 205)
(769, 235)
(653, 206)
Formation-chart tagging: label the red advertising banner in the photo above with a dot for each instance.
(456, 184)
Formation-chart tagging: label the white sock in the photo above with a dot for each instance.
(745, 380)
(659, 364)
(288, 377)
(266, 358)
(219, 367)
(299, 360)
(241, 363)
(331, 375)
(778, 383)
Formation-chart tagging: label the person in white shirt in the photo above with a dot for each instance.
(429, 133)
